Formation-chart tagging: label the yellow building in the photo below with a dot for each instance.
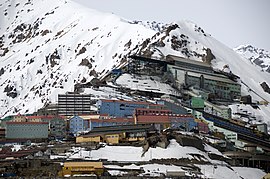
(134, 139)
(117, 134)
(112, 138)
(76, 168)
(19, 118)
(83, 139)
(109, 138)
(95, 116)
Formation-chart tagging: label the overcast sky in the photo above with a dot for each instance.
(233, 22)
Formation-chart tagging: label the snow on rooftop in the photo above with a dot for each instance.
(145, 83)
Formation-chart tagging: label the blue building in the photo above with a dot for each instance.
(120, 108)
(77, 124)
(185, 122)
(174, 107)
(110, 122)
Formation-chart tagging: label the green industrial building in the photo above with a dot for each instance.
(221, 87)
(191, 73)
(27, 130)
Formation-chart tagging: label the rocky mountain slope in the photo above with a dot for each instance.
(258, 57)
(46, 47)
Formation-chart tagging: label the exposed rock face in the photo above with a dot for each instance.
(53, 58)
(209, 56)
(85, 62)
(155, 141)
(11, 91)
(192, 141)
(256, 56)
(265, 87)
(2, 71)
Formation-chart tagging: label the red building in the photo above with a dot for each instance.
(146, 111)
(203, 127)
(2, 133)
(165, 118)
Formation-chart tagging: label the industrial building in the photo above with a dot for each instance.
(249, 159)
(221, 87)
(191, 73)
(192, 65)
(27, 130)
(201, 75)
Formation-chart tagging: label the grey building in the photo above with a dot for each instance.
(58, 128)
(201, 75)
(190, 73)
(27, 130)
(74, 104)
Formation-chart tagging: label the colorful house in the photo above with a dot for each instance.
(77, 124)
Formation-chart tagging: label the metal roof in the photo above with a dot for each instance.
(124, 101)
(185, 60)
(212, 77)
(20, 123)
(116, 129)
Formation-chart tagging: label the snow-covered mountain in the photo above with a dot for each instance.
(46, 47)
(257, 56)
